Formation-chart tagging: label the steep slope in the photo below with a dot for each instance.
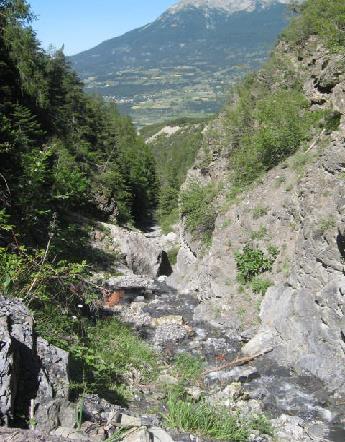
(182, 63)
(271, 206)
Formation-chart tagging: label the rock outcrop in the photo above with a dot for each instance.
(299, 207)
(33, 374)
(143, 255)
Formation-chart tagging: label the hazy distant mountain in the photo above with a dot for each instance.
(183, 63)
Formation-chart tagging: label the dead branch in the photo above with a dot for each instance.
(316, 141)
(238, 362)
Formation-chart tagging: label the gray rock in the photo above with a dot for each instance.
(237, 374)
(160, 435)
(17, 435)
(305, 330)
(130, 421)
(169, 333)
(33, 374)
(144, 256)
(138, 435)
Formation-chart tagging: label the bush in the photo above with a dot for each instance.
(197, 206)
(253, 261)
(261, 285)
(277, 124)
(325, 18)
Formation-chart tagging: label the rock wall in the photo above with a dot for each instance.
(302, 204)
(144, 256)
(33, 374)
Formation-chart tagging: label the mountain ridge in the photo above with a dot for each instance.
(183, 63)
(230, 6)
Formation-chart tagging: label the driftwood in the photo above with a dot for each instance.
(238, 362)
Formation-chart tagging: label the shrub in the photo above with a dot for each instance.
(277, 124)
(197, 206)
(261, 285)
(253, 261)
(108, 354)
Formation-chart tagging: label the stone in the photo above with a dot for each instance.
(33, 374)
(162, 278)
(167, 320)
(18, 435)
(172, 237)
(229, 395)
(338, 98)
(72, 434)
(237, 374)
(169, 333)
(130, 421)
(292, 317)
(98, 410)
(194, 392)
(144, 256)
(137, 435)
(160, 435)
(167, 379)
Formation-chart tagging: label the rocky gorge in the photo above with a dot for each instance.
(228, 326)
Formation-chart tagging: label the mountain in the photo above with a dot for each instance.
(184, 62)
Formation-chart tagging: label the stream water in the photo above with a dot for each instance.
(281, 390)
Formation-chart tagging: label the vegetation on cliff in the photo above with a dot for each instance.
(268, 117)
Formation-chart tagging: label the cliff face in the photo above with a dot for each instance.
(299, 208)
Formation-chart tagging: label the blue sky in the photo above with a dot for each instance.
(81, 24)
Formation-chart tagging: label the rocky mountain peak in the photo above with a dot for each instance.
(229, 6)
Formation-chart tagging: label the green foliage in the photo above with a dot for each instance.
(216, 423)
(197, 206)
(259, 212)
(189, 368)
(259, 234)
(172, 255)
(327, 224)
(325, 18)
(174, 156)
(168, 221)
(275, 126)
(260, 423)
(261, 285)
(252, 261)
(29, 275)
(59, 148)
(107, 352)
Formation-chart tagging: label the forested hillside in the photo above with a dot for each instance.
(63, 155)
(174, 145)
